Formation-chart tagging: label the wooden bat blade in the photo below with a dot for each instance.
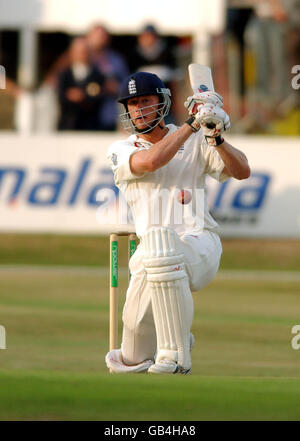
(200, 78)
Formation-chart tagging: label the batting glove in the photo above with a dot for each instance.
(202, 98)
(212, 120)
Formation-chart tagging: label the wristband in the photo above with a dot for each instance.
(193, 123)
(215, 141)
(219, 140)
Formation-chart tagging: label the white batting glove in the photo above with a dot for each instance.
(212, 120)
(193, 102)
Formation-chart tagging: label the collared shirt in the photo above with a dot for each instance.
(156, 198)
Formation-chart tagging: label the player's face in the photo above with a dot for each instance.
(143, 110)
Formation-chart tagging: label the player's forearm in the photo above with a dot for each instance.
(236, 163)
(165, 149)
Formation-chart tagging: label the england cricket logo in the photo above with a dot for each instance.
(114, 159)
(132, 86)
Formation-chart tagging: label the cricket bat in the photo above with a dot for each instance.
(200, 78)
(201, 81)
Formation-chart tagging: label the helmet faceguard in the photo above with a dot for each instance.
(141, 84)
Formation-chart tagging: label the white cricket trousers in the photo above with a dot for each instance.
(202, 255)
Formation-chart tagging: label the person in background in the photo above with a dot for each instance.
(80, 90)
(114, 68)
(109, 63)
(238, 15)
(152, 54)
(10, 94)
(12, 88)
(269, 87)
(255, 52)
(271, 52)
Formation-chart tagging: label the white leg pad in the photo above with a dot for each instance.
(115, 363)
(173, 314)
(172, 301)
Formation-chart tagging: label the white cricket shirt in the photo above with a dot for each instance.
(154, 198)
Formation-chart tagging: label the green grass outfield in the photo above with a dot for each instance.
(49, 249)
(90, 396)
(56, 319)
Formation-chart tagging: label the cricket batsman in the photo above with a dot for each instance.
(173, 258)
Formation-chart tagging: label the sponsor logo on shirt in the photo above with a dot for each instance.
(138, 145)
(114, 159)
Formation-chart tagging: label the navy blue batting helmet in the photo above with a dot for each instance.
(141, 83)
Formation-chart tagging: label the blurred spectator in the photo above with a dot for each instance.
(252, 64)
(110, 64)
(293, 12)
(266, 38)
(292, 9)
(114, 68)
(152, 54)
(287, 120)
(228, 57)
(80, 90)
(62, 63)
(271, 50)
(12, 88)
(237, 17)
(9, 97)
